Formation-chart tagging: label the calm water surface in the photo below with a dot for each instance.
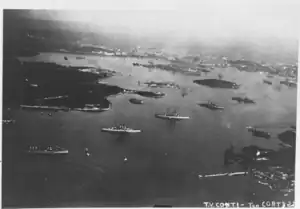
(163, 161)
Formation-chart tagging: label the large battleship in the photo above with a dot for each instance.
(210, 105)
(120, 129)
(171, 116)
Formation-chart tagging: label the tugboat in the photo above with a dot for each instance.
(136, 101)
(171, 116)
(243, 100)
(258, 133)
(48, 151)
(211, 106)
(120, 129)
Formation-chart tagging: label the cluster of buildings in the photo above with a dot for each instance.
(146, 51)
(102, 50)
(289, 71)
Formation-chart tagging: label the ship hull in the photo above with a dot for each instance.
(93, 111)
(120, 131)
(135, 101)
(172, 117)
(211, 108)
(43, 108)
(48, 152)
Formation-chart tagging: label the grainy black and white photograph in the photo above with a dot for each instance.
(152, 104)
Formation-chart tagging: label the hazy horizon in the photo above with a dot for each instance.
(203, 20)
(257, 30)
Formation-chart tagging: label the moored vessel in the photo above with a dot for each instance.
(211, 105)
(47, 151)
(120, 129)
(136, 101)
(171, 116)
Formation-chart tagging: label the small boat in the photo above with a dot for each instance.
(158, 94)
(48, 151)
(120, 129)
(56, 97)
(203, 70)
(211, 106)
(172, 116)
(86, 150)
(136, 64)
(136, 101)
(267, 82)
(223, 174)
(243, 100)
(90, 105)
(258, 133)
(102, 82)
(192, 73)
(262, 159)
(153, 85)
(94, 106)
